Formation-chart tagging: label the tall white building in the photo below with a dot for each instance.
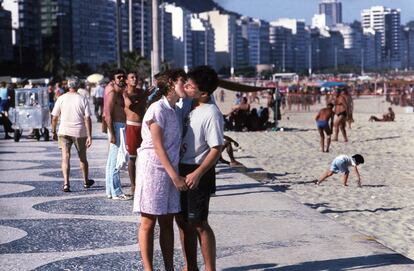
(321, 21)
(387, 22)
(300, 41)
(203, 42)
(333, 11)
(256, 32)
(182, 36)
(224, 26)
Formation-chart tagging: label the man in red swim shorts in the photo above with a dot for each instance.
(135, 105)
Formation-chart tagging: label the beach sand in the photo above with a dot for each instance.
(382, 209)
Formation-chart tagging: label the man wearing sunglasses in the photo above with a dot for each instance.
(115, 119)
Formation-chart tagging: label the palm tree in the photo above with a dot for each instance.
(133, 61)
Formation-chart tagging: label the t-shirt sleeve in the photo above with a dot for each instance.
(87, 108)
(57, 109)
(154, 115)
(214, 130)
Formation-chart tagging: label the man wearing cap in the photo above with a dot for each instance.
(75, 129)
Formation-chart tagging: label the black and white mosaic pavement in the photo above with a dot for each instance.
(87, 206)
(57, 235)
(55, 189)
(43, 228)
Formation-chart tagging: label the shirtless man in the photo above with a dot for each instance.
(341, 112)
(324, 122)
(115, 120)
(135, 103)
(390, 116)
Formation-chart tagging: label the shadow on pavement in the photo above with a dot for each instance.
(353, 263)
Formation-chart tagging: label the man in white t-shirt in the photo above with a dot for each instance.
(202, 143)
(75, 128)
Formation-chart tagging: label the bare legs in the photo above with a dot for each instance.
(131, 172)
(340, 124)
(322, 140)
(146, 240)
(324, 177)
(84, 166)
(65, 164)
(189, 234)
(208, 245)
(167, 240)
(188, 238)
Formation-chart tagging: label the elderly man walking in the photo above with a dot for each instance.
(75, 129)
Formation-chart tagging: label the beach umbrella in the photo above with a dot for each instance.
(94, 78)
(333, 84)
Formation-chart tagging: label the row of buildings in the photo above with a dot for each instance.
(84, 31)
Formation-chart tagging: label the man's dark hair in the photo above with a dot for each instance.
(359, 159)
(330, 105)
(117, 71)
(205, 77)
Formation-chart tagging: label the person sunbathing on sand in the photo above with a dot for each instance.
(324, 122)
(390, 116)
(341, 164)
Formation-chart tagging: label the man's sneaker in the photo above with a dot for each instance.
(122, 197)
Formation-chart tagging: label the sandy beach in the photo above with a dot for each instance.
(382, 209)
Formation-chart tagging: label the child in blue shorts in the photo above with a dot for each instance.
(341, 164)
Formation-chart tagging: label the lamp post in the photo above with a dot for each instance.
(155, 42)
(59, 15)
(118, 34)
(310, 59)
(130, 25)
(232, 55)
(336, 58)
(362, 61)
(283, 57)
(205, 46)
(185, 42)
(142, 29)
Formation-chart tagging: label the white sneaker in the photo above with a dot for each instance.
(122, 197)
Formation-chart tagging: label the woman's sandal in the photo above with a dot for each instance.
(88, 184)
(66, 188)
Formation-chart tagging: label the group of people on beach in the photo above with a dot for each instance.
(173, 133)
(333, 118)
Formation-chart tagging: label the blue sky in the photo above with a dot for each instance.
(270, 10)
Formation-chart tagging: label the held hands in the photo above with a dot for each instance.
(192, 180)
(54, 136)
(179, 183)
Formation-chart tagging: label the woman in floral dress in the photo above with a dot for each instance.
(157, 193)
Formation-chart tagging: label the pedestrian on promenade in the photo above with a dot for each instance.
(75, 128)
(135, 99)
(341, 164)
(115, 119)
(4, 108)
(157, 194)
(201, 148)
(324, 123)
(98, 101)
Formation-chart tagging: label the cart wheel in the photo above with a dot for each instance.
(46, 136)
(17, 135)
(37, 134)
